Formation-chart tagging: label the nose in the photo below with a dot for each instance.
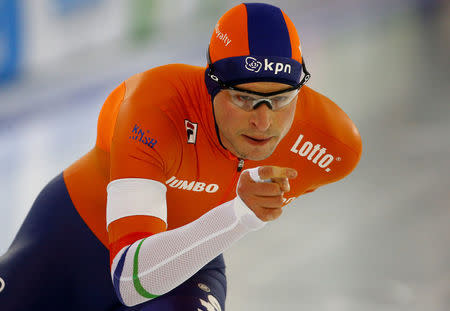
(261, 118)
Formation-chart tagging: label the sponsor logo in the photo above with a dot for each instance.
(141, 136)
(252, 64)
(2, 285)
(222, 36)
(204, 287)
(314, 153)
(191, 131)
(211, 305)
(191, 185)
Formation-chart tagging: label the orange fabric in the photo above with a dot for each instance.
(139, 223)
(107, 117)
(233, 25)
(295, 41)
(150, 115)
(86, 182)
(120, 235)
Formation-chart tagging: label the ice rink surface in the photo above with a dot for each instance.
(378, 240)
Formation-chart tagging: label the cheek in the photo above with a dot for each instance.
(235, 123)
(229, 119)
(285, 119)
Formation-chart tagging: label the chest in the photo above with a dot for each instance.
(206, 178)
(203, 180)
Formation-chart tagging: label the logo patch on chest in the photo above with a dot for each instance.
(191, 131)
(141, 135)
(317, 154)
(194, 185)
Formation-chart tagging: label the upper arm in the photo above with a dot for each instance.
(136, 208)
(144, 149)
(325, 144)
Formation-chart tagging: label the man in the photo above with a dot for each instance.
(187, 161)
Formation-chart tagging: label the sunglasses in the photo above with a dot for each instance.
(249, 100)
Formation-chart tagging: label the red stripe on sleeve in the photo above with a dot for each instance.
(129, 239)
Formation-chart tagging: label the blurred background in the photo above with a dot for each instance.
(378, 240)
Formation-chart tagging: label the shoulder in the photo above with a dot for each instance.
(323, 141)
(318, 111)
(160, 96)
(155, 104)
(161, 84)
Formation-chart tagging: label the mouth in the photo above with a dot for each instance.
(257, 141)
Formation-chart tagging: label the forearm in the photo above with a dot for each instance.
(153, 266)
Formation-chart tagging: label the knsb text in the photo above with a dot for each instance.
(139, 135)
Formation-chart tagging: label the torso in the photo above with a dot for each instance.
(202, 173)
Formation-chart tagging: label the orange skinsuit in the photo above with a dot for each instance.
(157, 139)
(143, 132)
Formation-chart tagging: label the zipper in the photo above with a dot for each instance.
(240, 165)
(234, 181)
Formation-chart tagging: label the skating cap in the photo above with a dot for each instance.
(254, 42)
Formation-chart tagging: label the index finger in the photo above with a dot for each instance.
(268, 172)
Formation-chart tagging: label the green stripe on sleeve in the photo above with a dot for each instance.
(137, 283)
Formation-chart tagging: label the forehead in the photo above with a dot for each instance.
(264, 87)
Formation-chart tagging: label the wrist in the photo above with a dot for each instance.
(246, 216)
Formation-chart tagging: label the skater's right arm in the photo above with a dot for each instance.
(146, 260)
(156, 263)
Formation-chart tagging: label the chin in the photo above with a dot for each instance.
(246, 151)
(257, 158)
(258, 155)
